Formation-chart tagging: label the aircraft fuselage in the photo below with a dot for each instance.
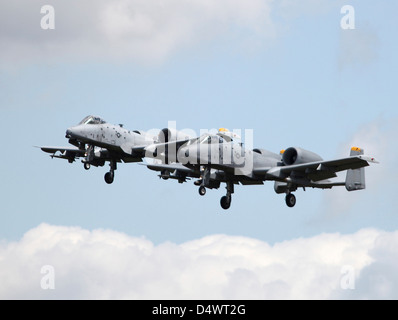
(106, 135)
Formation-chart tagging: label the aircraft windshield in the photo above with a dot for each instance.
(208, 139)
(92, 120)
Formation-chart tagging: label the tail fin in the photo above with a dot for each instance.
(355, 179)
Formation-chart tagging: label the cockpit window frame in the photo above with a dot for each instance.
(207, 139)
(211, 139)
(92, 120)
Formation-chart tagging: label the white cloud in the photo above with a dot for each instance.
(104, 264)
(150, 31)
(125, 30)
(380, 280)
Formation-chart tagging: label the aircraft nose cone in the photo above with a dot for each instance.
(68, 133)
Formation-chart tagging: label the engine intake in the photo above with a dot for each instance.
(298, 156)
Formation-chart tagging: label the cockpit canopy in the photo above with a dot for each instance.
(92, 120)
(207, 139)
(210, 139)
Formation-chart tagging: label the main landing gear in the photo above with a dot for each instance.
(89, 159)
(290, 200)
(110, 176)
(226, 200)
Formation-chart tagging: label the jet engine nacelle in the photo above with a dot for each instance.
(297, 156)
(170, 134)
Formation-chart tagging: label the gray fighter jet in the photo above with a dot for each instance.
(216, 159)
(97, 142)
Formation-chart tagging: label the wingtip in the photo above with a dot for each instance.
(369, 159)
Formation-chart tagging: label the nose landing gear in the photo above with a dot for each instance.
(202, 190)
(204, 181)
(88, 157)
(86, 165)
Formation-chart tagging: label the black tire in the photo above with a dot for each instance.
(87, 166)
(109, 176)
(202, 190)
(290, 200)
(225, 202)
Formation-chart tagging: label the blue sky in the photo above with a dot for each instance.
(287, 71)
(291, 90)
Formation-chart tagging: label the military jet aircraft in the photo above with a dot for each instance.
(216, 159)
(97, 142)
(211, 158)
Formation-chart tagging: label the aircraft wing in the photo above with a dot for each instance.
(165, 149)
(53, 150)
(169, 167)
(69, 153)
(317, 170)
(62, 150)
(174, 171)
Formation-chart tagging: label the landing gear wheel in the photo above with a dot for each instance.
(225, 202)
(87, 166)
(290, 200)
(109, 176)
(202, 190)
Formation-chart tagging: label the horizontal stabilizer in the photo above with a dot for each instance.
(326, 184)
